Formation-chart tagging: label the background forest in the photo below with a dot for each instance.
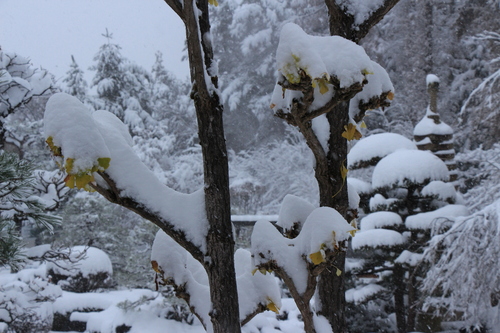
(458, 41)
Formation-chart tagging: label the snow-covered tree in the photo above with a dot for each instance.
(460, 282)
(75, 82)
(19, 83)
(409, 199)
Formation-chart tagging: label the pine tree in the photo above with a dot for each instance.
(76, 84)
(19, 205)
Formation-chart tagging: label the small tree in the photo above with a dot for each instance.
(408, 196)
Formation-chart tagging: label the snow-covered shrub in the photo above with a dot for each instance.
(26, 300)
(86, 269)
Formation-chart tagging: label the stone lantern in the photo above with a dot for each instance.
(434, 135)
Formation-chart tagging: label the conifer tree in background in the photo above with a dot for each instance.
(75, 82)
(108, 77)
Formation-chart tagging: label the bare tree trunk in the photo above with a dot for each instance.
(399, 297)
(219, 260)
(333, 193)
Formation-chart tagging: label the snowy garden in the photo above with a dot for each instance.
(317, 173)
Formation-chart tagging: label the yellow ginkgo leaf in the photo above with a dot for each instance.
(363, 124)
(83, 179)
(343, 172)
(317, 257)
(104, 162)
(70, 181)
(213, 2)
(271, 306)
(53, 148)
(323, 87)
(351, 132)
(390, 95)
(338, 272)
(68, 166)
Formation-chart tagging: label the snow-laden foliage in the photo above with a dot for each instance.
(26, 300)
(88, 142)
(373, 148)
(19, 204)
(75, 81)
(175, 266)
(479, 176)
(83, 269)
(261, 178)
(461, 279)
(20, 82)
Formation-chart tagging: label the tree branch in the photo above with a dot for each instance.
(177, 8)
(113, 195)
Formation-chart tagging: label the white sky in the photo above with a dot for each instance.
(50, 31)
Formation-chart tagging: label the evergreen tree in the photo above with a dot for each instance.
(19, 206)
(109, 74)
(75, 82)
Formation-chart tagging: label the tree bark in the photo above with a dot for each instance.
(333, 193)
(399, 297)
(219, 262)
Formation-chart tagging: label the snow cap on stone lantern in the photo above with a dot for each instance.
(433, 134)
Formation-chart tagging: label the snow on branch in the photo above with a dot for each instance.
(176, 267)
(464, 264)
(95, 151)
(300, 260)
(315, 74)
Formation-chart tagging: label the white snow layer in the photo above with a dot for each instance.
(378, 83)
(409, 258)
(86, 137)
(361, 294)
(360, 9)
(408, 166)
(427, 126)
(425, 221)
(293, 210)
(431, 78)
(443, 191)
(377, 146)
(374, 238)
(83, 259)
(380, 220)
(320, 57)
(323, 228)
(177, 264)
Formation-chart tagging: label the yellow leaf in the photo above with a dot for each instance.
(263, 271)
(353, 231)
(104, 162)
(68, 166)
(271, 306)
(317, 258)
(366, 71)
(338, 272)
(82, 180)
(343, 172)
(323, 87)
(213, 2)
(273, 106)
(155, 266)
(390, 95)
(363, 124)
(351, 132)
(53, 148)
(254, 271)
(70, 181)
